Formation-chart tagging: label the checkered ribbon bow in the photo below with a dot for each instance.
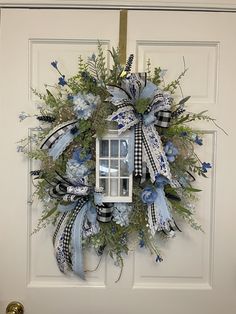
(147, 146)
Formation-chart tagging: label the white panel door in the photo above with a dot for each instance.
(198, 273)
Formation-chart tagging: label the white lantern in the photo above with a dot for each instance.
(112, 167)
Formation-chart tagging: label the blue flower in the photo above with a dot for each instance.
(161, 180)
(198, 140)
(54, 64)
(78, 156)
(184, 133)
(141, 239)
(113, 229)
(69, 96)
(205, 166)
(159, 259)
(148, 195)
(141, 243)
(62, 81)
(171, 151)
(20, 149)
(121, 213)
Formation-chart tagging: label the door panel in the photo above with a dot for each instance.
(198, 269)
(203, 43)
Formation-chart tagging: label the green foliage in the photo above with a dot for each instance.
(141, 105)
(157, 76)
(171, 87)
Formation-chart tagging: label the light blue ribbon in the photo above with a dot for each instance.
(61, 144)
(66, 208)
(131, 152)
(77, 259)
(161, 204)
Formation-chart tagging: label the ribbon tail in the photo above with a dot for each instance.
(77, 259)
(159, 216)
(66, 208)
(58, 239)
(138, 149)
(156, 160)
(131, 151)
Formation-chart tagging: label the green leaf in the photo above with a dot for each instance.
(184, 100)
(181, 209)
(190, 189)
(182, 120)
(49, 213)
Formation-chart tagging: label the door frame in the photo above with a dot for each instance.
(167, 5)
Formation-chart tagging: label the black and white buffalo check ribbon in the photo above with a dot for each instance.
(104, 213)
(163, 118)
(68, 229)
(138, 149)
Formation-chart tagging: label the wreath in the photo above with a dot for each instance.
(117, 158)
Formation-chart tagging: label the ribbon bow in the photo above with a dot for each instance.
(141, 106)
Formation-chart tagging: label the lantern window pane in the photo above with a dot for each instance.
(114, 148)
(124, 187)
(104, 168)
(123, 148)
(104, 148)
(103, 183)
(114, 172)
(114, 187)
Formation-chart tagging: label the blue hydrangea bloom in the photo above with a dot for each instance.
(171, 151)
(121, 213)
(85, 104)
(148, 195)
(206, 166)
